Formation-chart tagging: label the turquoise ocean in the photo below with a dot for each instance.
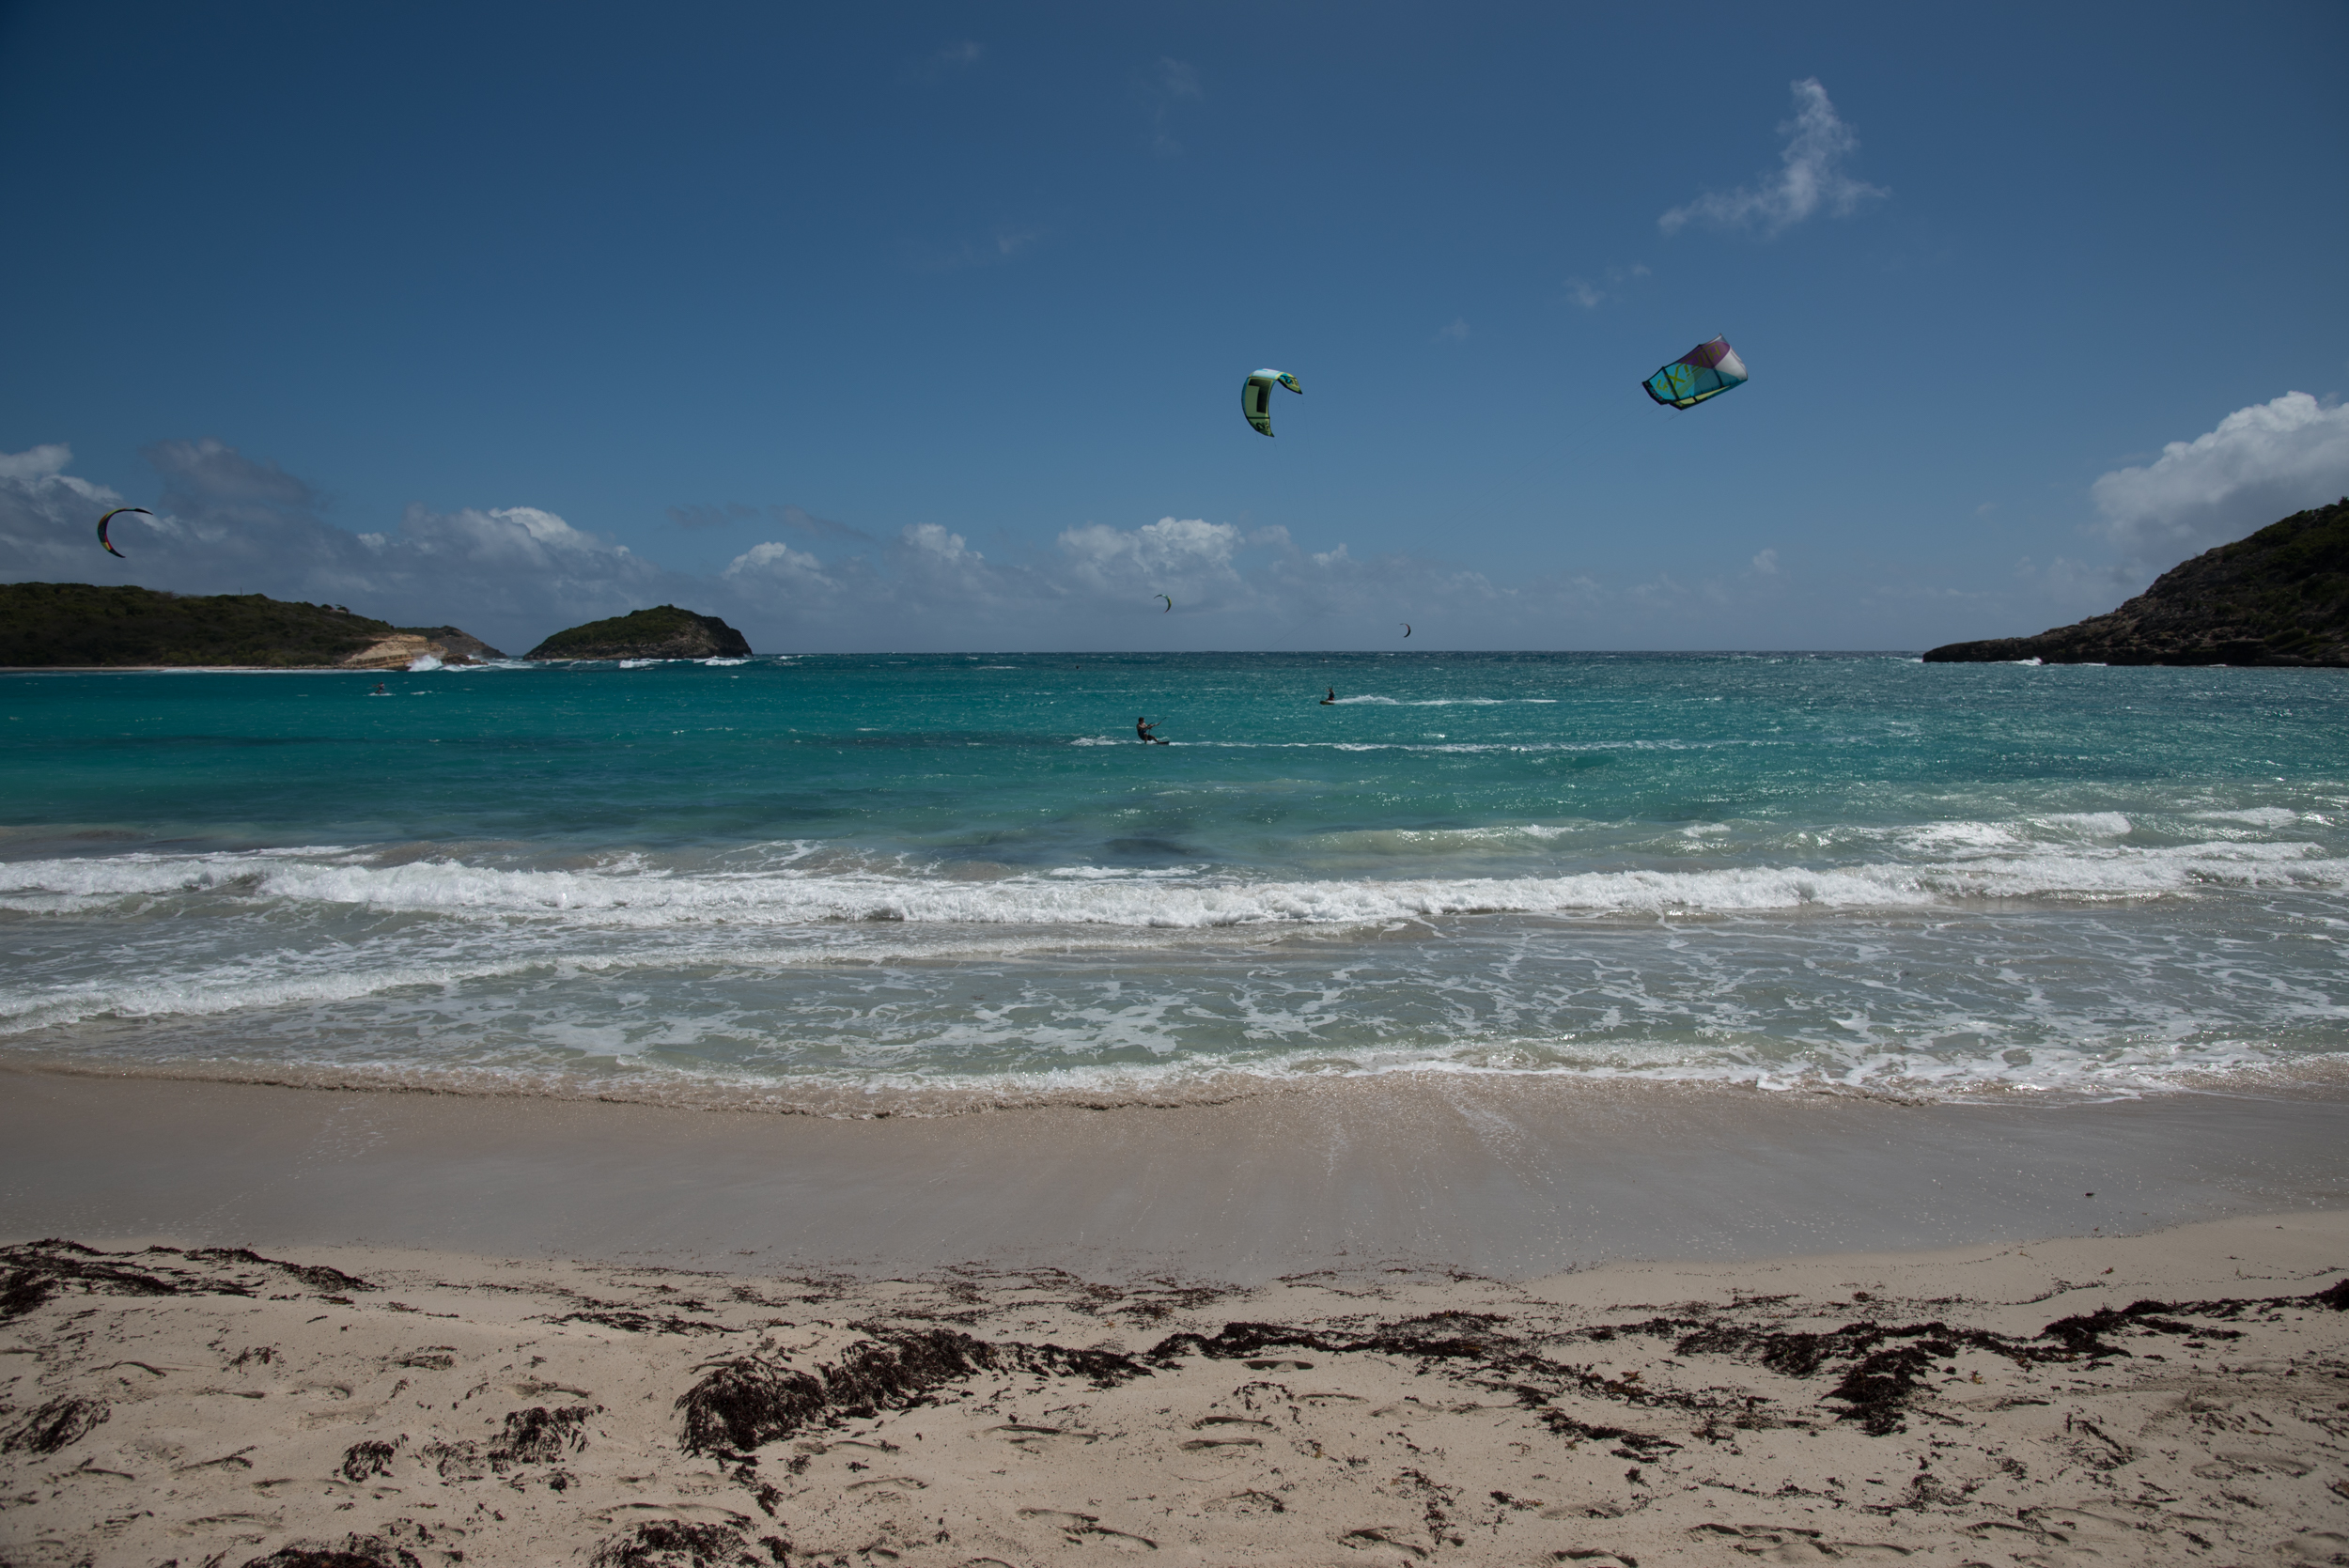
(857, 884)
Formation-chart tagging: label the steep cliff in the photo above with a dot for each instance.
(2280, 596)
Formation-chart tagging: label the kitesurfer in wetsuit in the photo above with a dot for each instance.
(379, 690)
(1141, 731)
(1331, 698)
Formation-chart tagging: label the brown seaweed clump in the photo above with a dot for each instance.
(372, 1458)
(747, 1401)
(537, 1435)
(674, 1543)
(34, 1272)
(61, 1422)
(357, 1551)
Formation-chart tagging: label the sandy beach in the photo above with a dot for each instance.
(2170, 1398)
(1404, 1322)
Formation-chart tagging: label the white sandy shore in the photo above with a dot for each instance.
(428, 1409)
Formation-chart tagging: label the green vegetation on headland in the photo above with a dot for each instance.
(2280, 596)
(663, 631)
(59, 624)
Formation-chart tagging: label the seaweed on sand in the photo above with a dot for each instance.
(62, 1421)
(1881, 1366)
(1432, 1339)
(371, 1457)
(747, 1401)
(36, 1270)
(537, 1435)
(1885, 1364)
(674, 1543)
(634, 1322)
(357, 1551)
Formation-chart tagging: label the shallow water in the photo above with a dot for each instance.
(835, 881)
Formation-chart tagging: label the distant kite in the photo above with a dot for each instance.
(1255, 396)
(1407, 628)
(1705, 371)
(110, 516)
(1170, 604)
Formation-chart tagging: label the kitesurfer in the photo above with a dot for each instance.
(379, 690)
(1141, 731)
(1331, 698)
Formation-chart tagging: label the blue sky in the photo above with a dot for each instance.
(926, 329)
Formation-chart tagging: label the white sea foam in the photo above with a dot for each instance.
(1440, 701)
(644, 895)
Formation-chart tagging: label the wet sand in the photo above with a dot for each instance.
(1510, 1178)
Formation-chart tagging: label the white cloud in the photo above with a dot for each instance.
(513, 575)
(228, 525)
(1809, 176)
(41, 463)
(1457, 332)
(2262, 463)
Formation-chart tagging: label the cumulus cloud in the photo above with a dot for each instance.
(2260, 463)
(1809, 176)
(226, 524)
(229, 524)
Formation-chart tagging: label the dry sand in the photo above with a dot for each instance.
(2002, 1405)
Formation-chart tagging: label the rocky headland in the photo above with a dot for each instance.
(2278, 597)
(663, 631)
(64, 625)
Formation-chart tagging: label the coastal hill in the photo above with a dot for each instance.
(52, 624)
(663, 631)
(2280, 596)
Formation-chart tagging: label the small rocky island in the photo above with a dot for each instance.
(64, 625)
(2280, 596)
(663, 631)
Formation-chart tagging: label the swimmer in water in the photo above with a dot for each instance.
(1331, 698)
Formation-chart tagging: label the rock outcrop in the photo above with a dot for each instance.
(663, 631)
(403, 649)
(2278, 597)
(62, 625)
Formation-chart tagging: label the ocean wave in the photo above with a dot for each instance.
(796, 893)
(1439, 702)
(862, 1094)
